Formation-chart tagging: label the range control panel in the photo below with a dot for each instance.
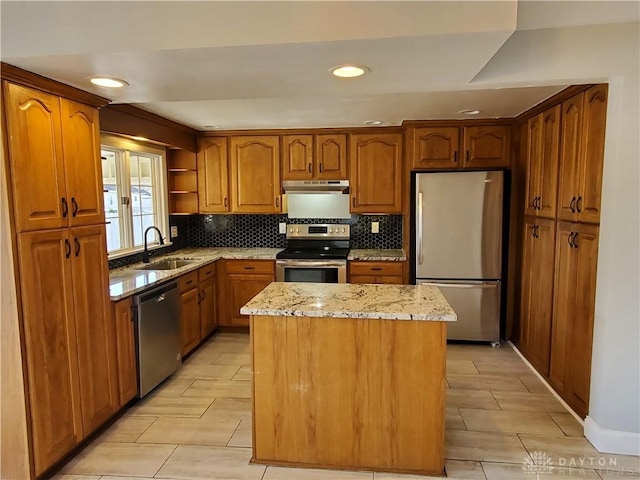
(335, 231)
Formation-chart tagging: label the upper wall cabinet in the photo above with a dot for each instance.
(56, 176)
(446, 148)
(582, 155)
(213, 175)
(321, 157)
(255, 174)
(376, 173)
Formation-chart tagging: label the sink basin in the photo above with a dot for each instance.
(169, 264)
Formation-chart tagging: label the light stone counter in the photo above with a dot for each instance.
(126, 281)
(378, 255)
(343, 300)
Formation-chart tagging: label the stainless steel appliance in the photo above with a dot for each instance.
(314, 253)
(317, 198)
(158, 345)
(458, 247)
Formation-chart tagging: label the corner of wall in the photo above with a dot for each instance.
(611, 441)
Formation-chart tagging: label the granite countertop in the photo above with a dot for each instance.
(344, 300)
(126, 281)
(379, 255)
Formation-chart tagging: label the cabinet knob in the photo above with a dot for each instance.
(68, 247)
(75, 240)
(278, 202)
(353, 201)
(65, 207)
(320, 167)
(225, 202)
(455, 157)
(309, 168)
(467, 158)
(75, 206)
(572, 205)
(579, 204)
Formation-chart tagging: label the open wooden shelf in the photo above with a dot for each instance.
(182, 178)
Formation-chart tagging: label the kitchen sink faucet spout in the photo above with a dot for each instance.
(145, 254)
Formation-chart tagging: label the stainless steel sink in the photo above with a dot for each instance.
(168, 264)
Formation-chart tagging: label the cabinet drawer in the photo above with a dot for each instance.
(187, 281)
(376, 268)
(206, 272)
(250, 266)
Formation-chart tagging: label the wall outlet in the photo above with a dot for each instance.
(174, 231)
(282, 227)
(375, 227)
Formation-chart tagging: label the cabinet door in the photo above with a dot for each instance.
(97, 357)
(213, 178)
(436, 148)
(486, 147)
(376, 173)
(569, 175)
(207, 307)
(125, 351)
(243, 288)
(362, 279)
(190, 319)
(331, 157)
(592, 154)
(297, 157)
(83, 167)
(534, 164)
(549, 159)
(255, 174)
(34, 139)
(50, 345)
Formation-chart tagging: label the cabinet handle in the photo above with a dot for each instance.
(537, 231)
(203, 295)
(455, 157)
(467, 159)
(579, 204)
(353, 201)
(533, 231)
(538, 198)
(75, 240)
(225, 202)
(249, 268)
(189, 282)
(198, 298)
(65, 207)
(535, 203)
(278, 202)
(376, 268)
(572, 205)
(207, 272)
(569, 240)
(575, 240)
(68, 246)
(309, 168)
(320, 166)
(75, 206)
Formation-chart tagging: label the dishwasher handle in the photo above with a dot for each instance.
(158, 293)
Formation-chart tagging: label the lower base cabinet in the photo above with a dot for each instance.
(376, 272)
(242, 280)
(198, 316)
(125, 350)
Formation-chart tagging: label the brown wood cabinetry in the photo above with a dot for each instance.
(190, 319)
(198, 316)
(573, 313)
(486, 147)
(182, 178)
(543, 143)
(255, 174)
(125, 350)
(331, 157)
(582, 155)
(376, 173)
(242, 280)
(320, 157)
(297, 157)
(375, 272)
(208, 314)
(436, 147)
(213, 175)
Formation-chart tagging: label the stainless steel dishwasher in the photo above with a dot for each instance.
(158, 345)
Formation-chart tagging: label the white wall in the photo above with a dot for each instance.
(608, 53)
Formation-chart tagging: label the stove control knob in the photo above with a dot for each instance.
(344, 229)
(297, 230)
(331, 230)
(291, 230)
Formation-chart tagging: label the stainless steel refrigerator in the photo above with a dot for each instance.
(458, 247)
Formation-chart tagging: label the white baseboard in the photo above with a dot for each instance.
(611, 441)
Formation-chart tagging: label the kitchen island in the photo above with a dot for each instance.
(349, 376)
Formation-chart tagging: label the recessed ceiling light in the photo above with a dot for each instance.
(211, 126)
(373, 122)
(140, 139)
(349, 71)
(469, 112)
(108, 82)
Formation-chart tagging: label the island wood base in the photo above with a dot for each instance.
(347, 393)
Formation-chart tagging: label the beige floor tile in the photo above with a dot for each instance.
(503, 471)
(203, 372)
(480, 352)
(569, 425)
(63, 476)
(172, 387)
(453, 419)
(528, 402)
(129, 459)
(244, 374)
(483, 446)
(533, 384)
(211, 463)
(210, 389)
(284, 473)
(495, 383)
(201, 357)
(233, 359)
(242, 436)
(471, 399)
(620, 474)
(191, 431)
(127, 429)
(502, 421)
(159, 406)
(461, 366)
(505, 367)
(227, 406)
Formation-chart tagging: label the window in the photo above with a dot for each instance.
(135, 194)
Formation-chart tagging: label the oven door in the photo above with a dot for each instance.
(315, 271)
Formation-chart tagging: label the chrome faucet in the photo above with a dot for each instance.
(145, 254)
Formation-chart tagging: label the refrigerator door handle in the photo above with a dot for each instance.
(461, 285)
(420, 252)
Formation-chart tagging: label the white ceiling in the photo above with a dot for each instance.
(265, 64)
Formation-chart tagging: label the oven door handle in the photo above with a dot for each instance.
(310, 263)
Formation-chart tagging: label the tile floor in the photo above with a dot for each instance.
(198, 426)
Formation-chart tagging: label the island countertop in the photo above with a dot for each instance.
(344, 300)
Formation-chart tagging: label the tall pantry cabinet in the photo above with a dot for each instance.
(564, 154)
(54, 170)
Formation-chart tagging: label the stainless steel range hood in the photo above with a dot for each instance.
(317, 198)
(315, 186)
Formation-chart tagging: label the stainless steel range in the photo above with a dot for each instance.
(314, 253)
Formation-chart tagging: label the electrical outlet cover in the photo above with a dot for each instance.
(282, 227)
(174, 231)
(375, 227)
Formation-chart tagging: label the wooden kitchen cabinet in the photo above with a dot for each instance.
(190, 319)
(198, 316)
(182, 180)
(582, 155)
(436, 148)
(255, 174)
(213, 175)
(543, 144)
(297, 157)
(331, 157)
(208, 313)
(536, 295)
(314, 157)
(486, 147)
(125, 350)
(376, 173)
(242, 280)
(573, 313)
(375, 272)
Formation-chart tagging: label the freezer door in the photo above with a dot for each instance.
(459, 225)
(477, 305)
